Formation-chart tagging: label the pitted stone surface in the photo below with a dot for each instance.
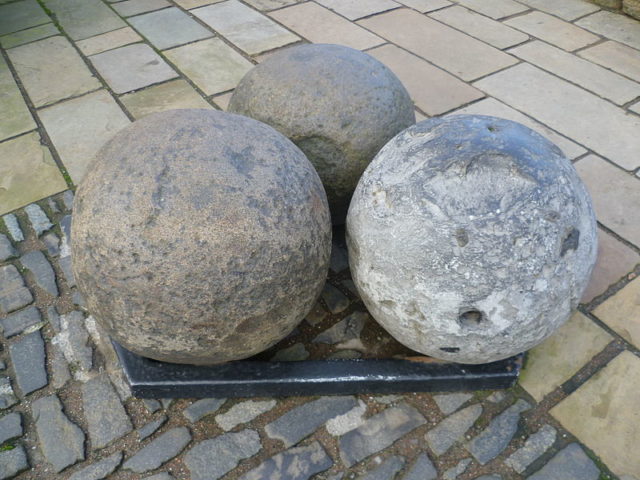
(442, 437)
(11, 222)
(13, 293)
(378, 432)
(12, 462)
(211, 459)
(422, 469)
(17, 322)
(28, 359)
(10, 426)
(489, 238)
(243, 412)
(6, 249)
(41, 269)
(39, 220)
(202, 407)
(99, 470)
(495, 438)
(385, 471)
(340, 106)
(251, 199)
(106, 417)
(61, 441)
(533, 448)
(159, 451)
(299, 463)
(302, 421)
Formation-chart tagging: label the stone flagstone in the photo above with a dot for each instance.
(495, 8)
(489, 31)
(609, 398)
(320, 25)
(263, 5)
(379, 432)
(84, 18)
(445, 91)
(106, 417)
(424, 6)
(249, 30)
(450, 430)
(108, 41)
(355, 9)
(169, 28)
(30, 35)
(592, 77)
(566, 9)
(28, 173)
(20, 15)
(79, 127)
(168, 96)
(571, 462)
(132, 67)
(15, 118)
(213, 458)
(159, 451)
(553, 30)
(211, 64)
(620, 312)
(136, 7)
(447, 48)
(616, 56)
(614, 26)
(570, 110)
(38, 62)
(60, 440)
(299, 463)
(558, 358)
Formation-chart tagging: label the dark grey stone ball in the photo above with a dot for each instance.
(471, 238)
(200, 237)
(339, 105)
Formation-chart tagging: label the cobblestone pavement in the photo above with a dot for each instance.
(73, 72)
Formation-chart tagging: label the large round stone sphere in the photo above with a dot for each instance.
(471, 238)
(200, 237)
(339, 105)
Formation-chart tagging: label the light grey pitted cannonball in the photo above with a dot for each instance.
(200, 237)
(339, 105)
(471, 238)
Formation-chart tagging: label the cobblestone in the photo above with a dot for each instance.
(571, 462)
(10, 426)
(535, 446)
(159, 451)
(455, 472)
(17, 322)
(334, 298)
(13, 293)
(38, 218)
(378, 432)
(6, 249)
(201, 408)
(28, 359)
(302, 421)
(42, 271)
(7, 396)
(73, 340)
(99, 470)
(106, 417)
(151, 427)
(243, 412)
(450, 430)
(294, 353)
(52, 244)
(299, 463)
(421, 469)
(451, 402)
(213, 458)
(11, 222)
(61, 441)
(387, 470)
(348, 421)
(12, 462)
(345, 330)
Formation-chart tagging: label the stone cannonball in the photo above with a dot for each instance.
(471, 238)
(339, 105)
(200, 237)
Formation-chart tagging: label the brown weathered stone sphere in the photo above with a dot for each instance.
(200, 237)
(339, 105)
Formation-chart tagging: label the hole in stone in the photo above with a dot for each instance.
(570, 242)
(471, 318)
(450, 349)
(462, 237)
(492, 128)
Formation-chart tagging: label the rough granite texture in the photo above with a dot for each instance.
(220, 216)
(471, 238)
(339, 105)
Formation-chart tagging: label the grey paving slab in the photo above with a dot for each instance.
(264, 5)
(15, 118)
(213, 458)
(41, 270)
(29, 35)
(553, 30)
(167, 96)
(616, 56)
(84, 18)
(570, 110)
(79, 127)
(249, 30)
(570, 463)
(425, 5)
(189, 4)
(38, 62)
(17, 322)
(159, 451)
(566, 9)
(100, 469)
(13, 292)
(495, 8)
(106, 417)
(21, 15)
(299, 463)
(613, 26)
(28, 358)
(169, 28)
(355, 9)
(366, 440)
(130, 8)
(211, 64)
(594, 78)
(108, 41)
(60, 440)
(457, 53)
(132, 67)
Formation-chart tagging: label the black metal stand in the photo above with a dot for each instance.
(247, 378)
